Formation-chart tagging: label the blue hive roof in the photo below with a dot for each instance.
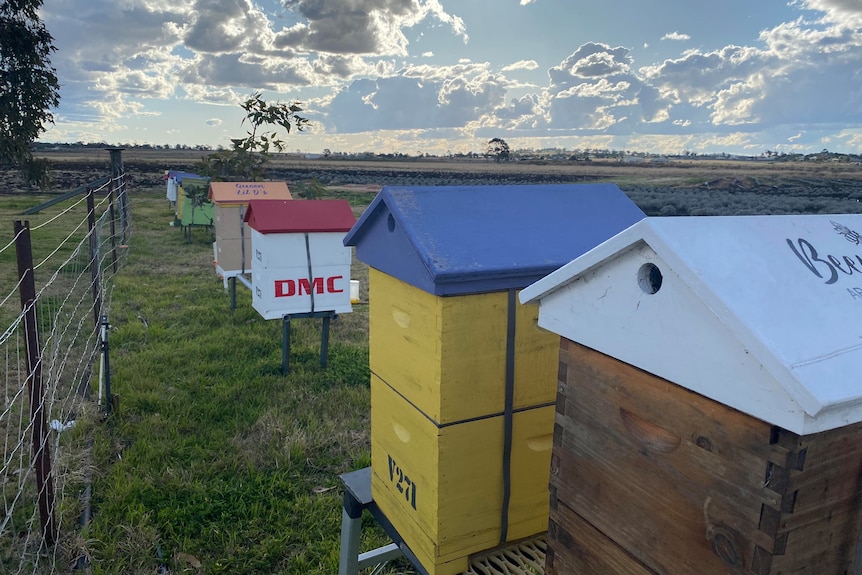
(451, 240)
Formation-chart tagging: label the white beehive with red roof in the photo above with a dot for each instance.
(299, 263)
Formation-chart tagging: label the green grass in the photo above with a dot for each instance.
(214, 455)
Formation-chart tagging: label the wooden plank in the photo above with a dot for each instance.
(575, 547)
(636, 455)
(823, 525)
(830, 543)
(666, 475)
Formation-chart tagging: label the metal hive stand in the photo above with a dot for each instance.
(327, 317)
(518, 558)
(357, 498)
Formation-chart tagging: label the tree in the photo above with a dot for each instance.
(247, 160)
(28, 86)
(499, 149)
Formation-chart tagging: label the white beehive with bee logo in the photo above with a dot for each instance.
(716, 359)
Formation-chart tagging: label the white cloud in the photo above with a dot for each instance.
(417, 97)
(521, 65)
(372, 27)
(846, 12)
(591, 60)
(223, 26)
(676, 36)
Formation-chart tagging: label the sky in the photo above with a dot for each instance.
(447, 76)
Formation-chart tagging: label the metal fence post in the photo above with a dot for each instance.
(41, 449)
(106, 363)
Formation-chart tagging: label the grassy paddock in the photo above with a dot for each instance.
(216, 462)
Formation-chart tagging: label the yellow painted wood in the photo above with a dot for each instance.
(404, 339)
(447, 355)
(442, 487)
(181, 200)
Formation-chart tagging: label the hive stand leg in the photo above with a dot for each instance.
(350, 561)
(232, 283)
(285, 345)
(324, 342)
(348, 558)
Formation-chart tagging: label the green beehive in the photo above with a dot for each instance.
(193, 206)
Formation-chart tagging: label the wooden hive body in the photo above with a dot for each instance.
(437, 401)
(447, 355)
(709, 413)
(441, 485)
(447, 337)
(232, 240)
(649, 477)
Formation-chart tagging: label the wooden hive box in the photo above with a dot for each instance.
(299, 262)
(462, 378)
(708, 418)
(232, 247)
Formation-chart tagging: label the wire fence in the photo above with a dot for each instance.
(50, 350)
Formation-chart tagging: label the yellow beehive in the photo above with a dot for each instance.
(447, 355)
(441, 485)
(455, 358)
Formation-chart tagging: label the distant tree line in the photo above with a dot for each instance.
(499, 151)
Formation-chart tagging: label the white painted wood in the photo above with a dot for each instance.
(288, 250)
(744, 314)
(281, 291)
(280, 273)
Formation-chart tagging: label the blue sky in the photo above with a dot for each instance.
(438, 76)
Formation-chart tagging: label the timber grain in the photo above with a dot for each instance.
(650, 478)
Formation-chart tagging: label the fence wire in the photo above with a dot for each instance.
(74, 284)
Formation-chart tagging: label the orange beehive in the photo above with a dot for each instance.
(232, 246)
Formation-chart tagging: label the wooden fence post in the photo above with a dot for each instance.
(113, 218)
(119, 185)
(41, 449)
(95, 263)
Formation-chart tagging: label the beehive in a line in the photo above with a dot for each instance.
(459, 369)
(708, 418)
(299, 263)
(189, 212)
(173, 179)
(232, 246)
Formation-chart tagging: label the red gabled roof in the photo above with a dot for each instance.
(295, 216)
